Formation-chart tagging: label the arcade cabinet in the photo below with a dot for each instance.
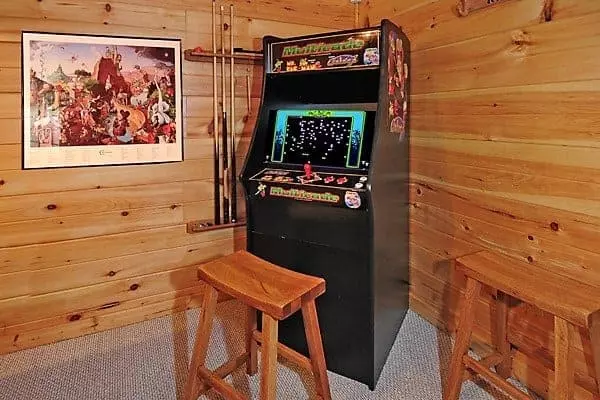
(326, 186)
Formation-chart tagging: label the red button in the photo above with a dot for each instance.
(342, 180)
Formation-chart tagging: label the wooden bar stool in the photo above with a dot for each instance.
(276, 292)
(573, 304)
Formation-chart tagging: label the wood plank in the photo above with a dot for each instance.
(535, 189)
(10, 156)
(49, 331)
(202, 127)
(112, 269)
(199, 106)
(326, 13)
(200, 85)
(248, 32)
(78, 301)
(527, 128)
(550, 255)
(48, 255)
(10, 106)
(77, 202)
(563, 364)
(574, 97)
(533, 221)
(11, 131)
(446, 246)
(14, 285)
(509, 70)
(11, 27)
(10, 50)
(571, 163)
(118, 13)
(433, 23)
(537, 55)
(54, 229)
(16, 182)
(10, 80)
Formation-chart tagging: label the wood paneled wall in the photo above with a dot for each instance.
(505, 153)
(83, 250)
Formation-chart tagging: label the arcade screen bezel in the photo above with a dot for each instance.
(360, 120)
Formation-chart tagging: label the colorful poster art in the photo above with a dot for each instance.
(397, 81)
(100, 100)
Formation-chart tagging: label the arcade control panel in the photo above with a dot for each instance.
(337, 189)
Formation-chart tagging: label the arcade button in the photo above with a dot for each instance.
(329, 179)
(363, 178)
(359, 185)
(342, 180)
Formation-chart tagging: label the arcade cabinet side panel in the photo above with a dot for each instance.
(389, 190)
(254, 155)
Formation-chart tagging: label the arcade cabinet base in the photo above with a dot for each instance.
(346, 317)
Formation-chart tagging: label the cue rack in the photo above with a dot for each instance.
(225, 187)
(223, 119)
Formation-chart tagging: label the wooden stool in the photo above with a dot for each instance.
(572, 303)
(278, 293)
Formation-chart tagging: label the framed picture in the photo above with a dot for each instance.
(100, 100)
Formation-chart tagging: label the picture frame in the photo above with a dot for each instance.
(99, 100)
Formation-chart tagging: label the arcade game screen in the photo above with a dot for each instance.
(331, 138)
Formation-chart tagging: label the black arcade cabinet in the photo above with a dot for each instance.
(326, 184)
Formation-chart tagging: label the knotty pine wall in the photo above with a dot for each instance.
(114, 249)
(505, 153)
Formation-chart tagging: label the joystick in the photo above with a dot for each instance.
(307, 170)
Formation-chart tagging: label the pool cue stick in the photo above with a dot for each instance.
(226, 127)
(356, 12)
(217, 188)
(248, 95)
(232, 161)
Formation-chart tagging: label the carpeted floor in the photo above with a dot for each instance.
(149, 361)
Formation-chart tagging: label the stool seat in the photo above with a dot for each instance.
(573, 300)
(276, 293)
(264, 286)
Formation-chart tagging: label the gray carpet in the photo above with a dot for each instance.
(149, 361)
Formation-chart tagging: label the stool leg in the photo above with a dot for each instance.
(504, 369)
(268, 381)
(315, 349)
(595, 340)
(564, 371)
(209, 304)
(463, 338)
(251, 345)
